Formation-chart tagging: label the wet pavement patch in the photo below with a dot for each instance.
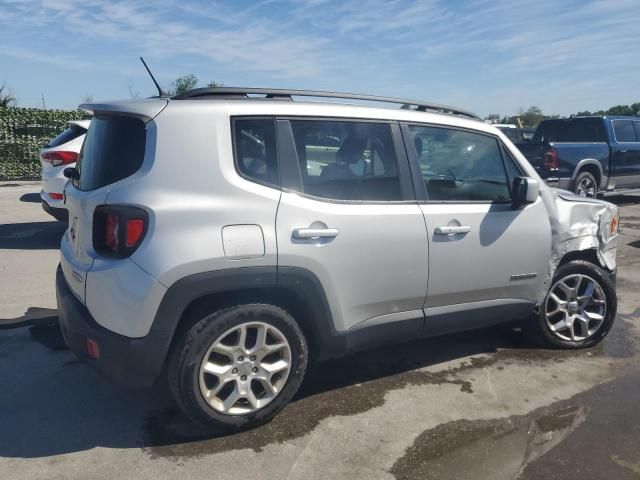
(360, 383)
(170, 435)
(595, 434)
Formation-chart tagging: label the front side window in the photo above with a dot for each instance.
(256, 153)
(344, 160)
(461, 166)
(624, 131)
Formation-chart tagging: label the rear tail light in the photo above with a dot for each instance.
(56, 196)
(118, 230)
(59, 158)
(550, 161)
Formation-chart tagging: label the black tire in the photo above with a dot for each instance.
(188, 352)
(543, 332)
(588, 178)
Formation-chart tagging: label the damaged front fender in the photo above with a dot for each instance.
(579, 224)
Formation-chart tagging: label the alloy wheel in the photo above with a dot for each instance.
(586, 187)
(245, 368)
(575, 307)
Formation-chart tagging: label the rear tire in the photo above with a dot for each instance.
(579, 309)
(586, 185)
(238, 367)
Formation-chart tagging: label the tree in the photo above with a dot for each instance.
(531, 117)
(183, 84)
(213, 84)
(86, 98)
(7, 98)
(621, 110)
(493, 117)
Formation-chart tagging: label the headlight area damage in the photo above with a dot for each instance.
(580, 224)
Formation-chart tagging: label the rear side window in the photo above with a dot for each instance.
(457, 165)
(71, 133)
(345, 160)
(112, 150)
(512, 134)
(624, 131)
(576, 130)
(255, 149)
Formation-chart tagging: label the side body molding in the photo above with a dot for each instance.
(300, 291)
(295, 287)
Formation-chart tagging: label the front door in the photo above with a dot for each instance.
(484, 255)
(352, 222)
(626, 153)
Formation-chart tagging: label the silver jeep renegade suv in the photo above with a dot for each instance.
(226, 236)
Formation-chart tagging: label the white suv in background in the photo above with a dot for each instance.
(296, 230)
(58, 154)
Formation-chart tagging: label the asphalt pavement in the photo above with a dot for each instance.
(476, 405)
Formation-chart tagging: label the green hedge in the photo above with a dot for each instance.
(23, 132)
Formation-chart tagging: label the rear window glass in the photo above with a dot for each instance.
(573, 130)
(112, 150)
(256, 152)
(624, 131)
(71, 133)
(512, 134)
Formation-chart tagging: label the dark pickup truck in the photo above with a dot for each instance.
(587, 155)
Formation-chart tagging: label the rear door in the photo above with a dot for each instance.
(113, 149)
(484, 255)
(626, 153)
(348, 215)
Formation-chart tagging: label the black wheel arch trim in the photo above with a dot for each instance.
(301, 282)
(325, 342)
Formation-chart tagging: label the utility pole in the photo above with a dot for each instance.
(44, 107)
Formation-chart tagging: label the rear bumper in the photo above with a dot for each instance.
(563, 183)
(130, 362)
(58, 213)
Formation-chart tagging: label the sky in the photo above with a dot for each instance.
(487, 56)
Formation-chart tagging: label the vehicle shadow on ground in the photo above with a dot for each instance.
(622, 200)
(33, 316)
(31, 235)
(53, 403)
(31, 198)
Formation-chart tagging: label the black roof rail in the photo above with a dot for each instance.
(285, 94)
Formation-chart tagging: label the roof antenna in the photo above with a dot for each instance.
(160, 92)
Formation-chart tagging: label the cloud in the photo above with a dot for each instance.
(396, 47)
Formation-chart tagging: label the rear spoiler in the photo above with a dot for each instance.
(80, 123)
(146, 109)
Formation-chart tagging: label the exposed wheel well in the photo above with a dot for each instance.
(299, 308)
(589, 255)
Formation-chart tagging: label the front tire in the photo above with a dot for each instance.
(238, 367)
(579, 309)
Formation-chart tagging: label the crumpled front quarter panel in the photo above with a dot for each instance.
(577, 224)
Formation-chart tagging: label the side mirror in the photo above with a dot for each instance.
(71, 173)
(524, 190)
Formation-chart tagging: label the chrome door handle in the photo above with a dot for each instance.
(306, 233)
(622, 150)
(451, 230)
